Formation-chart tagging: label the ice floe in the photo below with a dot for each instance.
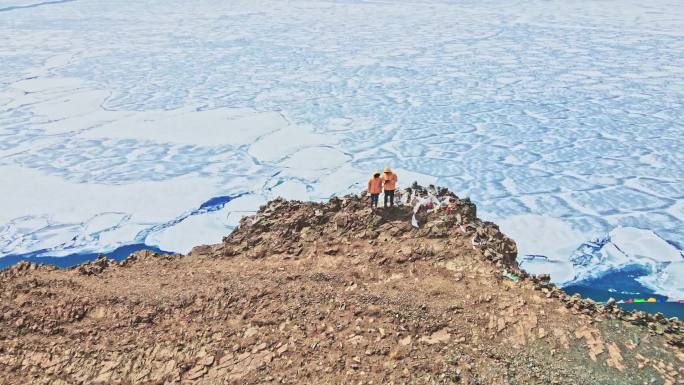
(628, 249)
(562, 120)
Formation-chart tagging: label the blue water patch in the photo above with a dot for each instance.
(74, 259)
(669, 309)
(622, 285)
(217, 203)
(625, 279)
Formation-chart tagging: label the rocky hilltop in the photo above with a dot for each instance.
(327, 293)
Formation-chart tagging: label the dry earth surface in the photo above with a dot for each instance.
(326, 294)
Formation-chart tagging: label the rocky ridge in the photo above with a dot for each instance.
(327, 293)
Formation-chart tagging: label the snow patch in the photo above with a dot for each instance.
(668, 281)
(86, 217)
(223, 126)
(206, 227)
(542, 235)
(286, 141)
(316, 158)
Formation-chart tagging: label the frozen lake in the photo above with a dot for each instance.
(137, 124)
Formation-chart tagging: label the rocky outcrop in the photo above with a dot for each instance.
(282, 226)
(302, 292)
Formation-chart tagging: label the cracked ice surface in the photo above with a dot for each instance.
(563, 120)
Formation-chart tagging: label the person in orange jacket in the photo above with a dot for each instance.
(375, 188)
(389, 182)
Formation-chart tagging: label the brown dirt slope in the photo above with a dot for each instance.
(325, 294)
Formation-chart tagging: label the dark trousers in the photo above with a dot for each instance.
(389, 194)
(374, 200)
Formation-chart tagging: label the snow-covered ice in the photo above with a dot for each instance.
(138, 123)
